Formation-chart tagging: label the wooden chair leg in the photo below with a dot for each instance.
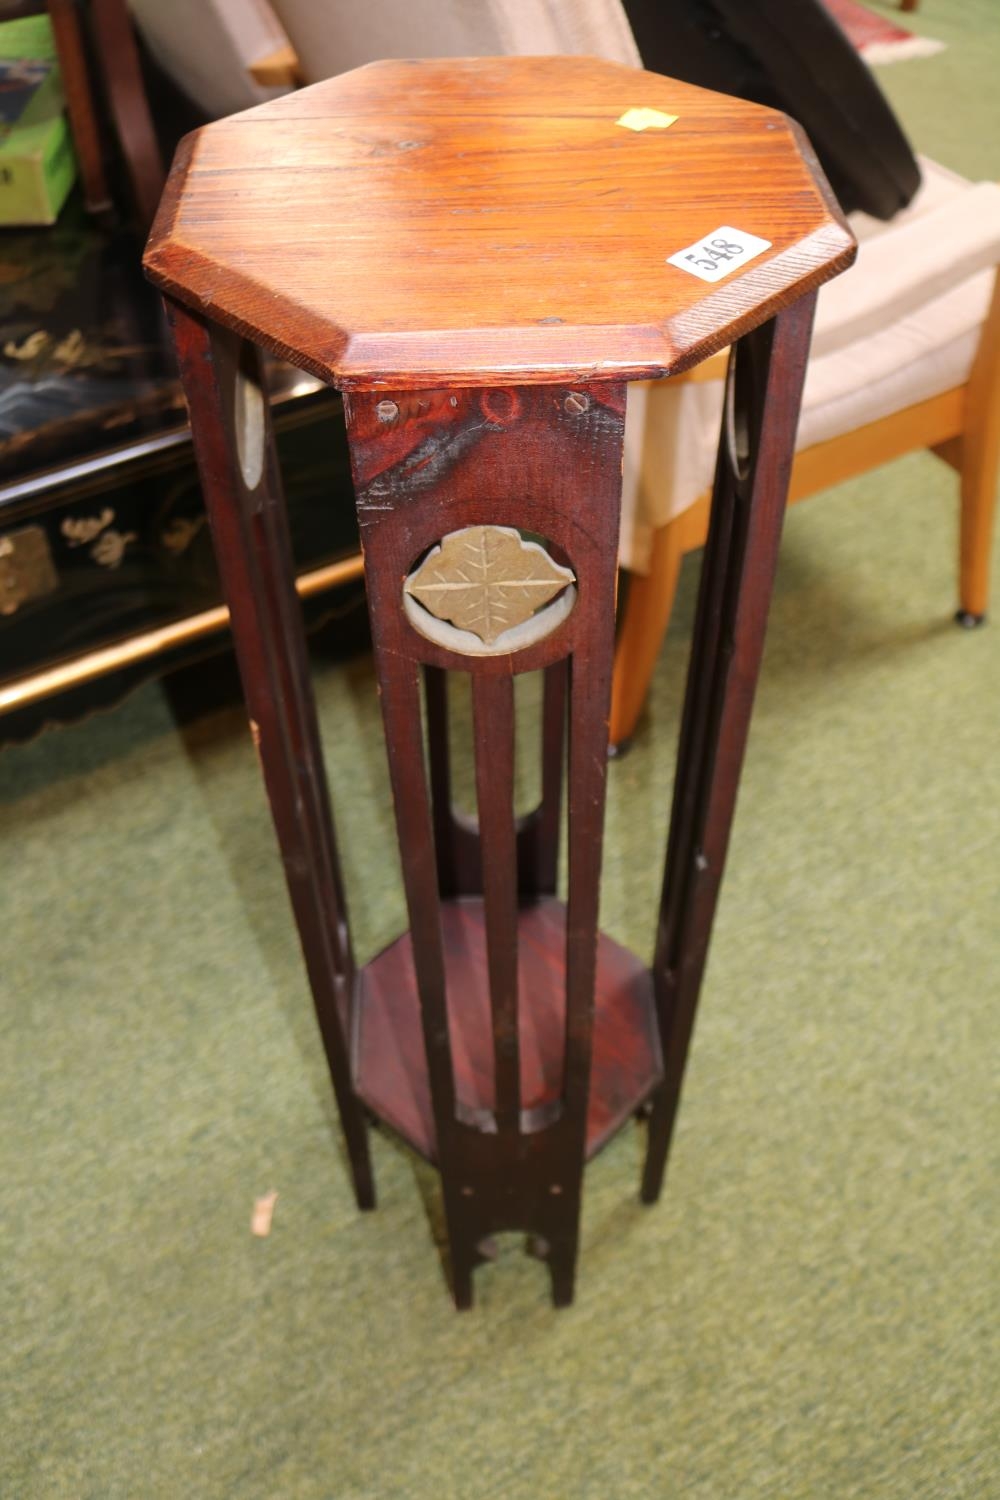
(126, 94)
(980, 463)
(979, 496)
(66, 32)
(648, 605)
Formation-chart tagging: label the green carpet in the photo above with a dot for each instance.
(811, 1311)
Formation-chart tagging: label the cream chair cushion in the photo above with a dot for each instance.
(901, 326)
(207, 47)
(331, 36)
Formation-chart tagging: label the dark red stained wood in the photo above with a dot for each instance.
(546, 459)
(748, 506)
(456, 848)
(539, 865)
(390, 1070)
(477, 253)
(493, 729)
(399, 692)
(250, 530)
(456, 838)
(464, 221)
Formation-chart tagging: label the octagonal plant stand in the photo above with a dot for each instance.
(480, 254)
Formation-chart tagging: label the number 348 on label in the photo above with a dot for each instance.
(721, 251)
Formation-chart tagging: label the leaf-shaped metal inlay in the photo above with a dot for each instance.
(487, 579)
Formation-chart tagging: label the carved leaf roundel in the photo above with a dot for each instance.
(487, 579)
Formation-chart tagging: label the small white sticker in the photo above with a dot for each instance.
(721, 251)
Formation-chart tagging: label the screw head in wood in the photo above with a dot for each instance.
(575, 403)
(500, 406)
(387, 411)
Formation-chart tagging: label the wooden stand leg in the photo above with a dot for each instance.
(562, 1257)
(755, 457)
(233, 445)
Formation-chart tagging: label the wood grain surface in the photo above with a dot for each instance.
(763, 400)
(478, 252)
(459, 221)
(391, 1071)
(546, 460)
(253, 545)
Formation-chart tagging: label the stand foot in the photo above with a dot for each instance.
(969, 621)
(461, 1286)
(562, 1269)
(662, 1113)
(364, 1189)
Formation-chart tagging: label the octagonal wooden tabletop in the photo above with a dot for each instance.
(462, 221)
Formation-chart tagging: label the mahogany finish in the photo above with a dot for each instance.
(391, 1071)
(476, 253)
(426, 464)
(249, 525)
(764, 392)
(459, 221)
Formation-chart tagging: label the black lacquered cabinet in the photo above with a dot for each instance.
(107, 574)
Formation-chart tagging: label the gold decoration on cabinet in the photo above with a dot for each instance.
(26, 568)
(109, 543)
(79, 530)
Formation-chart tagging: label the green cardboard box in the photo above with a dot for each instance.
(37, 166)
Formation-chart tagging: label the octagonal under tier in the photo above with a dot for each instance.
(391, 1066)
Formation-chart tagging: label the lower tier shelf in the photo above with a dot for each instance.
(390, 1063)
